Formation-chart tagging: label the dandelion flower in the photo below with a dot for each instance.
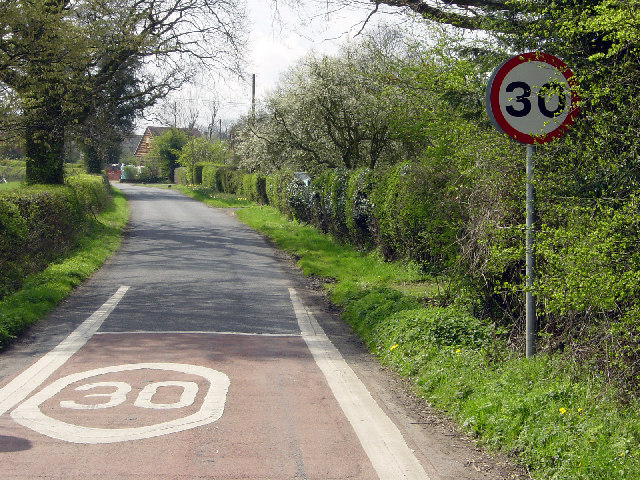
(562, 410)
(393, 347)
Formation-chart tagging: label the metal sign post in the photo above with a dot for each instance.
(530, 299)
(532, 98)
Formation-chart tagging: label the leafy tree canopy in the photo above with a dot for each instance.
(67, 63)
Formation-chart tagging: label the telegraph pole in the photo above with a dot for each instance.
(253, 96)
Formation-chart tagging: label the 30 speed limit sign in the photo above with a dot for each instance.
(532, 98)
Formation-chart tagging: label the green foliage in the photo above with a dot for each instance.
(359, 207)
(40, 292)
(181, 176)
(278, 189)
(209, 176)
(254, 187)
(414, 218)
(41, 224)
(221, 178)
(438, 326)
(197, 152)
(214, 198)
(166, 148)
(557, 417)
(13, 170)
(374, 307)
(81, 68)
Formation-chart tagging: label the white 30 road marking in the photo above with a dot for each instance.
(20, 387)
(28, 414)
(379, 436)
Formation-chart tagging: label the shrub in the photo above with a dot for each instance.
(38, 224)
(259, 188)
(299, 198)
(320, 199)
(180, 176)
(278, 187)
(370, 311)
(337, 203)
(359, 207)
(438, 326)
(209, 176)
(197, 173)
(416, 217)
(254, 187)
(226, 179)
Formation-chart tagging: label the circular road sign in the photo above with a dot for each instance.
(532, 98)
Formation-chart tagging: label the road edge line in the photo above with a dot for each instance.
(26, 382)
(381, 439)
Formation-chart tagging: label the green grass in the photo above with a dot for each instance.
(5, 187)
(558, 419)
(214, 198)
(42, 291)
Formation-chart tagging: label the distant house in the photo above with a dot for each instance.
(129, 146)
(144, 145)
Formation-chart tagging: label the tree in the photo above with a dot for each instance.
(58, 55)
(166, 148)
(200, 150)
(327, 112)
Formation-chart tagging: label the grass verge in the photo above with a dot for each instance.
(42, 291)
(213, 198)
(558, 419)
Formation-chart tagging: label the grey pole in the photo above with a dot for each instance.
(531, 323)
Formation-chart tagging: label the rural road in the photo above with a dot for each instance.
(197, 352)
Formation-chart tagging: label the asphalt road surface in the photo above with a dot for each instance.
(199, 352)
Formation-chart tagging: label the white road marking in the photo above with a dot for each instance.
(21, 386)
(188, 396)
(382, 441)
(28, 413)
(198, 332)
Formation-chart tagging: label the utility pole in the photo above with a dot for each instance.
(253, 96)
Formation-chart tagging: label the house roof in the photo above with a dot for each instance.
(150, 132)
(130, 144)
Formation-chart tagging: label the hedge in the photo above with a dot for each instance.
(222, 178)
(41, 223)
(180, 176)
(253, 186)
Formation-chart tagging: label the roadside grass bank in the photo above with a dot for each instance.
(214, 198)
(553, 416)
(41, 292)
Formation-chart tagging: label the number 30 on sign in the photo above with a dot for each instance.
(532, 98)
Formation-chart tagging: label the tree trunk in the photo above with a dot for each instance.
(45, 155)
(93, 159)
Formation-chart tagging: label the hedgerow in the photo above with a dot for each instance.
(39, 224)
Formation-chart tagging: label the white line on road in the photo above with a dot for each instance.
(21, 386)
(379, 436)
(198, 332)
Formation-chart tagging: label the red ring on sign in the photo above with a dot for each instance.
(494, 91)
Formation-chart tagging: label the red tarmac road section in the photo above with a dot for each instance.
(183, 406)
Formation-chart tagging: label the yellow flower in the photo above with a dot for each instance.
(562, 410)
(458, 351)
(579, 410)
(393, 347)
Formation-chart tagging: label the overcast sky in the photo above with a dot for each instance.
(279, 35)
